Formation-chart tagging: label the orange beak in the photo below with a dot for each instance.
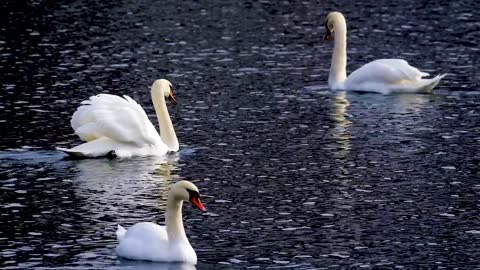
(328, 35)
(172, 98)
(197, 203)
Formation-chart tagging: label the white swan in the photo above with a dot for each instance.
(381, 76)
(112, 125)
(149, 241)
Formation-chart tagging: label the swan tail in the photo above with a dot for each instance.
(72, 153)
(431, 83)
(120, 232)
(97, 148)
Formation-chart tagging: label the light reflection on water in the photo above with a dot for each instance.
(340, 116)
(91, 197)
(292, 174)
(106, 180)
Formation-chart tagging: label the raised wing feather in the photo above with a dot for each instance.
(388, 71)
(120, 119)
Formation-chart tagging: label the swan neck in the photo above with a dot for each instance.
(338, 69)
(167, 132)
(174, 220)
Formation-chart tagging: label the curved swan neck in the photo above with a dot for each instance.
(167, 132)
(174, 220)
(338, 69)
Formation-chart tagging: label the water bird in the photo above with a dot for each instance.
(381, 76)
(152, 242)
(118, 126)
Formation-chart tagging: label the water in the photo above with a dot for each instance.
(293, 175)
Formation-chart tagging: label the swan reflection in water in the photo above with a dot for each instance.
(383, 108)
(377, 118)
(340, 132)
(125, 188)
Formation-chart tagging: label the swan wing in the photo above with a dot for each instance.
(147, 231)
(120, 119)
(385, 71)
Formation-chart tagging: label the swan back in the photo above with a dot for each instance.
(121, 119)
(387, 71)
(390, 76)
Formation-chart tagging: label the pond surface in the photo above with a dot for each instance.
(293, 175)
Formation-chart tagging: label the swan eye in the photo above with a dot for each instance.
(328, 34)
(192, 194)
(328, 26)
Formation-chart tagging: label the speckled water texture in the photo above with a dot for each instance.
(293, 175)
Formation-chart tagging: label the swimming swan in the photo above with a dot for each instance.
(381, 76)
(149, 241)
(112, 125)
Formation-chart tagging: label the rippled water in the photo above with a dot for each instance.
(293, 175)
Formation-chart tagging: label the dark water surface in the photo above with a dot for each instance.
(293, 175)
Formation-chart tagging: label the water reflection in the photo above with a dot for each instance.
(82, 199)
(391, 104)
(410, 103)
(323, 179)
(340, 117)
(125, 191)
(387, 120)
(104, 180)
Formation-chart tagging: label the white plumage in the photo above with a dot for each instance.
(390, 76)
(119, 125)
(152, 242)
(120, 119)
(381, 76)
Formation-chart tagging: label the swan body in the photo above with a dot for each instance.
(381, 76)
(110, 124)
(152, 242)
(149, 241)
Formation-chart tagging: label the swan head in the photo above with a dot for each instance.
(164, 87)
(188, 192)
(332, 21)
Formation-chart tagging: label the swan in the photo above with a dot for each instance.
(151, 242)
(381, 76)
(112, 125)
